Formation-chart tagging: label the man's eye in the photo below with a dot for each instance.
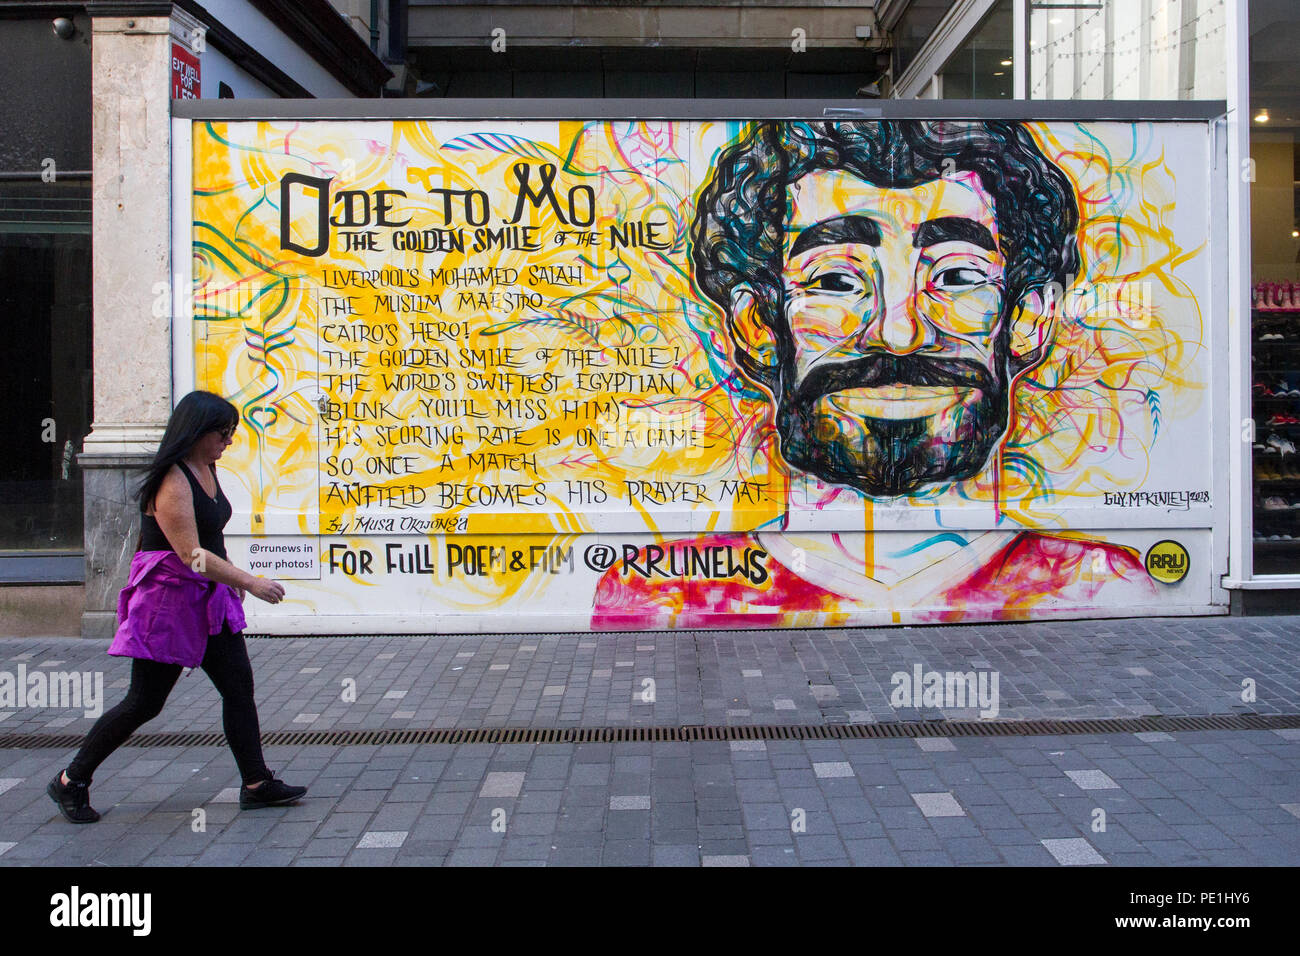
(958, 278)
(834, 282)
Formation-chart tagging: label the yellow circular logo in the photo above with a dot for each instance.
(1167, 562)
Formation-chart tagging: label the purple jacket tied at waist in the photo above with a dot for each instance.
(166, 611)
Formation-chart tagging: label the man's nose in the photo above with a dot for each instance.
(895, 325)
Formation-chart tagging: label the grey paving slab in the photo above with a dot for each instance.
(938, 804)
(1092, 780)
(1075, 851)
(502, 784)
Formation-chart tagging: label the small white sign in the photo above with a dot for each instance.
(283, 557)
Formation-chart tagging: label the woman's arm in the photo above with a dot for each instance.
(174, 511)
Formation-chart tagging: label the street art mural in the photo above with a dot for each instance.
(650, 375)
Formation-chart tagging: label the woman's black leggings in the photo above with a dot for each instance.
(226, 663)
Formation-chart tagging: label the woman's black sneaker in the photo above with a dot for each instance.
(73, 799)
(270, 793)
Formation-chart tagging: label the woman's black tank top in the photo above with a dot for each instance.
(210, 515)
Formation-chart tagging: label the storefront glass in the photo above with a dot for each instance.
(1275, 277)
(1127, 50)
(913, 29)
(982, 68)
(45, 269)
(45, 298)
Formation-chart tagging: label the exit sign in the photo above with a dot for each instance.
(185, 73)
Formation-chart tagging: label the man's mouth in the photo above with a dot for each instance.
(897, 402)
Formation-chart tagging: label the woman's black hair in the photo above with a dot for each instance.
(196, 414)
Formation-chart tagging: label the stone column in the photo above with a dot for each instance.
(131, 270)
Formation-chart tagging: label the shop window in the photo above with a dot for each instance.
(913, 29)
(1127, 49)
(982, 68)
(45, 299)
(1275, 275)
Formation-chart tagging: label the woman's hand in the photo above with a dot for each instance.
(272, 592)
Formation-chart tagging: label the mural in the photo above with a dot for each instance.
(676, 374)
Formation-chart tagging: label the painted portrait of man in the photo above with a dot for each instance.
(885, 285)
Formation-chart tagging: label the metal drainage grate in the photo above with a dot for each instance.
(581, 735)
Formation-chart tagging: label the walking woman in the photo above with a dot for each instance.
(181, 608)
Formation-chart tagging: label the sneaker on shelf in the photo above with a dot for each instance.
(1274, 503)
(269, 793)
(73, 799)
(1284, 446)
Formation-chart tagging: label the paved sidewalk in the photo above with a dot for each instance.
(1190, 798)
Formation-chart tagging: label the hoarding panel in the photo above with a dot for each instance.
(504, 375)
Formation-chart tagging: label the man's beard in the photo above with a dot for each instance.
(886, 457)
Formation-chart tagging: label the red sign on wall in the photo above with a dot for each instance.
(185, 73)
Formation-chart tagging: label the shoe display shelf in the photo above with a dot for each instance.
(1275, 364)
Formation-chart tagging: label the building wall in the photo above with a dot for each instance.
(218, 68)
(269, 40)
(647, 50)
(705, 25)
(99, 103)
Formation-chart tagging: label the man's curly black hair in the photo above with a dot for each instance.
(736, 238)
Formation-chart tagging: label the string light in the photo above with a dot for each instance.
(1178, 38)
